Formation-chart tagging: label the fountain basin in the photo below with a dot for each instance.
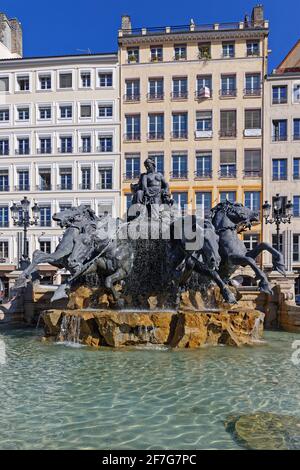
(182, 329)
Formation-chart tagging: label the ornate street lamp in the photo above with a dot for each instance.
(280, 215)
(21, 218)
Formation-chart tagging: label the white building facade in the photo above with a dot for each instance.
(59, 143)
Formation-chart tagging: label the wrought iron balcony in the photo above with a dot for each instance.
(179, 175)
(155, 96)
(252, 173)
(44, 187)
(279, 138)
(4, 188)
(85, 149)
(104, 186)
(131, 175)
(4, 152)
(203, 174)
(22, 152)
(155, 136)
(22, 187)
(64, 187)
(179, 135)
(135, 137)
(4, 224)
(279, 100)
(179, 95)
(65, 150)
(296, 137)
(224, 93)
(104, 149)
(282, 177)
(227, 173)
(85, 187)
(252, 92)
(229, 133)
(43, 151)
(132, 97)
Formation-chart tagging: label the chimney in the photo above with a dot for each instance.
(257, 16)
(16, 37)
(126, 23)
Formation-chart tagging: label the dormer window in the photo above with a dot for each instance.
(180, 52)
(133, 55)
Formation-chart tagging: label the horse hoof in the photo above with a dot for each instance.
(229, 298)
(266, 289)
(280, 268)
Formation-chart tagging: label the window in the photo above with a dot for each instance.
(179, 166)
(4, 114)
(45, 112)
(45, 145)
(85, 178)
(104, 208)
(251, 240)
(4, 184)
(65, 80)
(105, 143)
(132, 88)
(227, 196)
(296, 93)
(45, 179)
(159, 161)
(181, 201)
(179, 125)
(228, 85)
(296, 126)
(45, 82)
(252, 122)
(133, 127)
(279, 94)
(4, 147)
(64, 206)
(180, 88)
(66, 144)
(23, 83)
(275, 242)
(4, 216)
(23, 114)
(204, 124)
(86, 144)
(132, 164)
(105, 80)
(296, 247)
(45, 246)
(252, 163)
(156, 53)
(204, 50)
(23, 180)
(4, 249)
(85, 79)
(228, 49)
(296, 208)
(66, 178)
(156, 89)
(228, 123)
(204, 86)
(203, 164)
(296, 168)
(23, 146)
(180, 52)
(279, 130)
(85, 111)
(253, 84)
(252, 48)
(105, 178)
(45, 216)
(105, 110)
(252, 200)
(133, 54)
(203, 203)
(4, 84)
(66, 111)
(156, 126)
(227, 163)
(279, 169)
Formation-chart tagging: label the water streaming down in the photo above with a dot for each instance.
(70, 330)
(255, 335)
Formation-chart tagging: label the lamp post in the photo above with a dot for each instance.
(280, 215)
(21, 218)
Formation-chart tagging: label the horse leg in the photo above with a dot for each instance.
(277, 258)
(110, 285)
(264, 285)
(227, 295)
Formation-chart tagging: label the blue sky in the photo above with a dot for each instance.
(64, 26)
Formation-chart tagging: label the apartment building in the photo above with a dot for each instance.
(282, 154)
(192, 98)
(11, 38)
(59, 143)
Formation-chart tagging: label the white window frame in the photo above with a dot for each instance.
(105, 71)
(82, 71)
(5, 107)
(19, 75)
(67, 104)
(38, 114)
(62, 72)
(105, 103)
(83, 118)
(9, 76)
(295, 83)
(40, 74)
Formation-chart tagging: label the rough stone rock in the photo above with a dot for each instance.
(265, 431)
(152, 302)
(80, 298)
(52, 319)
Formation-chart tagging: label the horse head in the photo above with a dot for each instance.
(230, 214)
(78, 216)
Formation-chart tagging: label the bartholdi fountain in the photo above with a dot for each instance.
(158, 277)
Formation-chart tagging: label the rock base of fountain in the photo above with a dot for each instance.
(182, 329)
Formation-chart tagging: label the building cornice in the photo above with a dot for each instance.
(109, 58)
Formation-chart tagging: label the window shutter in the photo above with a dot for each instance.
(4, 84)
(227, 156)
(203, 115)
(252, 119)
(252, 160)
(228, 120)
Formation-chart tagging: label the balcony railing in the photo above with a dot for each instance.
(180, 56)
(4, 152)
(22, 187)
(279, 138)
(4, 224)
(155, 136)
(252, 92)
(131, 98)
(104, 186)
(230, 133)
(85, 187)
(64, 187)
(4, 188)
(156, 59)
(131, 175)
(132, 137)
(296, 137)
(179, 135)
(179, 175)
(282, 177)
(43, 151)
(86, 149)
(296, 176)
(44, 187)
(252, 173)
(179, 95)
(105, 149)
(155, 96)
(279, 100)
(22, 152)
(227, 173)
(203, 174)
(253, 53)
(65, 150)
(228, 93)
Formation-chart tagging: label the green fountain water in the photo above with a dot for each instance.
(53, 397)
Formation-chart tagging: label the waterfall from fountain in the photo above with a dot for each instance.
(70, 330)
(255, 335)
